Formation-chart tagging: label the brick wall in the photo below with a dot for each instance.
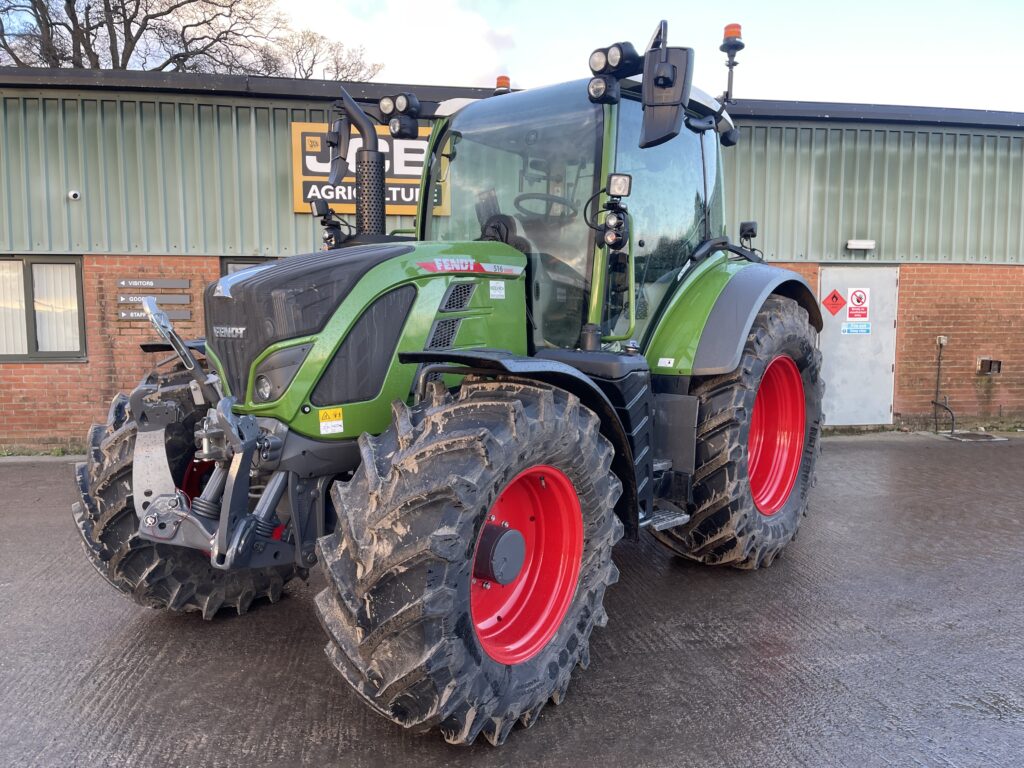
(980, 308)
(48, 405)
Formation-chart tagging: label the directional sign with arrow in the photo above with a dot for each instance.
(138, 314)
(161, 298)
(151, 282)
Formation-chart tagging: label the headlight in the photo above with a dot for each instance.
(614, 56)
(275, 372)
(263, 388)
(387, 105)
(598, 61)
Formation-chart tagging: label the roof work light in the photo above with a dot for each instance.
(401, 111)
(610, 65)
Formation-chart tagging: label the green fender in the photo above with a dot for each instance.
(702, 329)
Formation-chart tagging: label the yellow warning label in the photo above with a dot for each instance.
(331, 421)
(330, 414)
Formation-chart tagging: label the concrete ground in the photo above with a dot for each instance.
(889, 634)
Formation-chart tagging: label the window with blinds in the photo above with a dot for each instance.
(41, 308)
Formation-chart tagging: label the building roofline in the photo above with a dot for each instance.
(327, 90)
(763, 109)
(223, 85)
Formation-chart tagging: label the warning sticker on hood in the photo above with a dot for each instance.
(331, 421)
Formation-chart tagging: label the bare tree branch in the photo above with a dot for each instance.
(230, 36)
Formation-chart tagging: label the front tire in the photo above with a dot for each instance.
(411, 626)
(155, 575)
(758, 432)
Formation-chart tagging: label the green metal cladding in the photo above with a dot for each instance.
(158, 174)
(206, 174)
(924, 194)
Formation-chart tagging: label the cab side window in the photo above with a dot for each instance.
(666, 206)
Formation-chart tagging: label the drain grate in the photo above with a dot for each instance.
(974, 437)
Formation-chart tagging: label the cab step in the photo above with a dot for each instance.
(666, 515)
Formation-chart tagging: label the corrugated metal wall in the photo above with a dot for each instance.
(199, 174)
(158, 174)
(923, 194)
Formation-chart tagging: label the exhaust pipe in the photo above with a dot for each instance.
(369, 166)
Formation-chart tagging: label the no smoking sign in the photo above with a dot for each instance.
(858, 301)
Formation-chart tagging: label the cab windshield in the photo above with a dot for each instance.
(520, 168)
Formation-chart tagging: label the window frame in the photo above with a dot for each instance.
(248, 261)
(33, 355)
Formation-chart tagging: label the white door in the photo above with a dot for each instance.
(858, 343)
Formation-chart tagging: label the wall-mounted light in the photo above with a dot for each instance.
(860, 245)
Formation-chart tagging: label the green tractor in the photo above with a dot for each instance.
(458, 427)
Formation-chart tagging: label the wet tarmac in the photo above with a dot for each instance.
(891, 633)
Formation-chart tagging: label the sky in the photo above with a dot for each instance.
(938, 53)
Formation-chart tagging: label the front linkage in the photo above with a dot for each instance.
(234, 450)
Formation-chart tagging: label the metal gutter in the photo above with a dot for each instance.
(758, 109)
(222, 85)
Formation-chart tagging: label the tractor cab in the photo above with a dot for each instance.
(530, 169)
(521, 169)
(609, 187)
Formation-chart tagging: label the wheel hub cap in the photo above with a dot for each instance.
(500, 554)
(526, 564)
(776, 444)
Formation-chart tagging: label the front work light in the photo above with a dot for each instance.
(386, 105)
(624, 61)
(407, 104)
(619, 184)
(620, 60)
(403, 127)
(604, 89)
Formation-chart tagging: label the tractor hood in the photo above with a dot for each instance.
(249, 310)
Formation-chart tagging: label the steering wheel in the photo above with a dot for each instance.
(569, 212)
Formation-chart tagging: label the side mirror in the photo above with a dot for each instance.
(748, 230)
(666, 92)
(337, 140)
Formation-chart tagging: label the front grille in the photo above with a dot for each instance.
(444, 332)
(359, 366)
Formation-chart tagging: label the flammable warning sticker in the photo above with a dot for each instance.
(331, 421)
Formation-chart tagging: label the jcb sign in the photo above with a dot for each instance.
(404, 160)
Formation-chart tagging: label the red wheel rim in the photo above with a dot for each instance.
(514, 622)
(776, 443)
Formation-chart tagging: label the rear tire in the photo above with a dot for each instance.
(154, 575)
(741, 517)
(401, 607)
